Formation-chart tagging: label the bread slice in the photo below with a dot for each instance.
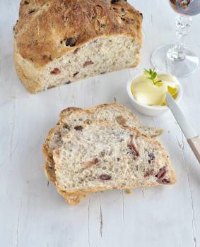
(71, 117)
(59, 42)
(105, 116)
(103, 155)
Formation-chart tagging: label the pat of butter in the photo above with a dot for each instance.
(146, 93)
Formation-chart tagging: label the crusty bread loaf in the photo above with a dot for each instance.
(71, 117)
(96, 138)
(58, 42)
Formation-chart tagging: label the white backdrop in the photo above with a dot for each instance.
(33, 214)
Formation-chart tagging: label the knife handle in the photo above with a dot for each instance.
(195, 146)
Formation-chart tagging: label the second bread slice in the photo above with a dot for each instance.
(101, 155)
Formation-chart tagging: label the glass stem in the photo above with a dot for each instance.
(183, 24)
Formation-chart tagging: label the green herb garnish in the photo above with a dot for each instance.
(153, 76)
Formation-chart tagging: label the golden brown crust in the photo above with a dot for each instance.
(31, 83)
(48, 29)
(72, 198)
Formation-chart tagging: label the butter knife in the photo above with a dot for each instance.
(192, 138)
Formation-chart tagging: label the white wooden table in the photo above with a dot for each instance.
(33, 214)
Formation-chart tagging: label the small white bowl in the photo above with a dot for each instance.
(151, 110)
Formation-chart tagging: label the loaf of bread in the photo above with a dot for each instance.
(58, 42)
(103, 148)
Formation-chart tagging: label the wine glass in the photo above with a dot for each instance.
(177, 59)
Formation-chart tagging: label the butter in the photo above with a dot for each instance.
(148, 93)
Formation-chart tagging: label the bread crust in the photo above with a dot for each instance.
(27, 73)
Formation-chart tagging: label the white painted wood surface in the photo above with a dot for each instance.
(33, 214)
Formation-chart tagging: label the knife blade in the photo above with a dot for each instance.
(192, 138)
(180, 118)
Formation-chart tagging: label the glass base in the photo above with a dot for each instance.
(179, 68)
